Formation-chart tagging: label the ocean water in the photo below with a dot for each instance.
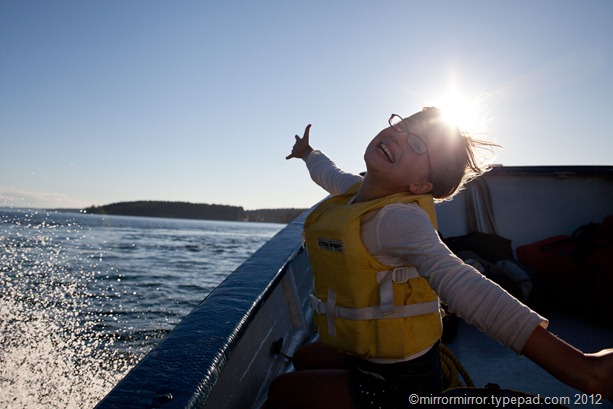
(84, 297)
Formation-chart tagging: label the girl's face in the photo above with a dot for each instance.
(395, 165)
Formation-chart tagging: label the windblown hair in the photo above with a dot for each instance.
(459, 158)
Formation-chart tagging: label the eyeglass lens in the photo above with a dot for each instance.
(415, 142)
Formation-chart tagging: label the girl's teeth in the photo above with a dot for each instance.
(387, 152)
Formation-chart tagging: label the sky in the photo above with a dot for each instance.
(199, 101)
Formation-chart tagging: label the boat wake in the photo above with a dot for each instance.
(51, 353)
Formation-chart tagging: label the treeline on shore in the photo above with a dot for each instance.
(185, 210)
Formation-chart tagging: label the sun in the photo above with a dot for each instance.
(468, 114)
(459, 111)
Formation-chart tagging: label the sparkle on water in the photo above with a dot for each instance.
(53, 353)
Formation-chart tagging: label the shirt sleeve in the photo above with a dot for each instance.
(402, 233)
(326, 174)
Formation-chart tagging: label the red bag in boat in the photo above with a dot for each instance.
(575, 271)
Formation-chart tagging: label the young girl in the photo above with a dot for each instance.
(379, 269)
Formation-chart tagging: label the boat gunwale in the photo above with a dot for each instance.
(182, 370)
(553, 170)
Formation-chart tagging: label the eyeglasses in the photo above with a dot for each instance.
(416, 144)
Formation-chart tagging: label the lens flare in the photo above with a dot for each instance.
(469, 114)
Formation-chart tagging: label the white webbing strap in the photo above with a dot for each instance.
(385, 279)
(385, 310)
(331, 306)
(371, 313)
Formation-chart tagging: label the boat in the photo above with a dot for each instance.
(225, 353)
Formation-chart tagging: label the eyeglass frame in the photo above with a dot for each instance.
(411, 136)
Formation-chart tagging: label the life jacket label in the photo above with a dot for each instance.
(330, 245)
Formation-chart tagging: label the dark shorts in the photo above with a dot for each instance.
(387, 386)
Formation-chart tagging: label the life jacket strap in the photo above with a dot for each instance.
(331, 306)
(370, 313)
(386, 279)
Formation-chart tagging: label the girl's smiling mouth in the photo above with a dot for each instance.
(386, 152)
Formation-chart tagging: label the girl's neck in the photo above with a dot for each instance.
(371, 190)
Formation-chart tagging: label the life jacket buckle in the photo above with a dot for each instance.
(401, 275)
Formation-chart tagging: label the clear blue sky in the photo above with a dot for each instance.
(106, 101)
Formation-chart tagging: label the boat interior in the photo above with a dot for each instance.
(225, 353)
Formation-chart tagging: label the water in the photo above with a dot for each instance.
(84, 297)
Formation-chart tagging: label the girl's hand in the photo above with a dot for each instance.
(590, 373)
(301, 147)
(603, 366)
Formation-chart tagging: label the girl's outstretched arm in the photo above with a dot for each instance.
(590, 373)
(301, 147)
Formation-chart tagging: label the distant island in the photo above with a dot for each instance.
(186, 210)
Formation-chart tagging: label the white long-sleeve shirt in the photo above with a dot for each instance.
(401, 233)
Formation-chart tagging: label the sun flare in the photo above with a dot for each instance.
(468, 114)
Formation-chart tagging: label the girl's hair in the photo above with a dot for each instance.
(458, 160)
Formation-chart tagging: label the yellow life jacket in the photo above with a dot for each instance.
(360, 305)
